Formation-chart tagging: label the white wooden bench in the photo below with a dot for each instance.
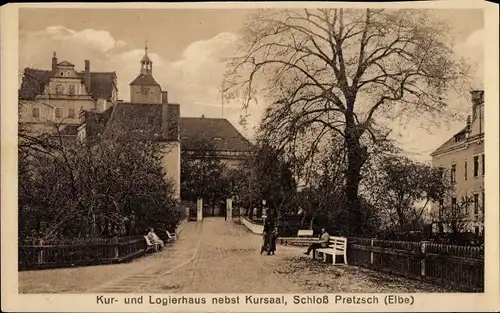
(337, 246)
(171, 236)
(305, 233)
(150, 245)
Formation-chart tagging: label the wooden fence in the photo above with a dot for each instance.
(62, 254)
(459, 267)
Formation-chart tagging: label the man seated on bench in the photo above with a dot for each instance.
(153, 237)
(323, 243)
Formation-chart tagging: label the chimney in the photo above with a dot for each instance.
(54, 62)
(170, 121)
(164, 97)
(477, 98)
(203, 116)
(165, 112)
(87, 76)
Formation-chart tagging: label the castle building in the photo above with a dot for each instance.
(85, 104)
(56, 96)
(463, 157)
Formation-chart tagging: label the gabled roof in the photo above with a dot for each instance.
(450, 142)
(65, 63)
(147, 80)
(101, 84)
(218, 131)
(143, 117)
(34, 81)
(95, 123)
(148, 117)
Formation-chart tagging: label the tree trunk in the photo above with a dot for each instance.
(356, 156)
(303, 219)
(311, 223)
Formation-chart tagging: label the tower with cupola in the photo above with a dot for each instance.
(144, 88)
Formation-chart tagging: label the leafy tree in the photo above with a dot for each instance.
(404, 189)
(339, 71)
(95, 188)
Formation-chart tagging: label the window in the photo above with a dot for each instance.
(453, 203)
(71, 89)
(71, 113)
(476, 165)
(476, 204)
(476, 230)
(453, 173)
(484, 202)
(58, 112)
(482, 162)
(465, 170)
(466, 207)
(59, 89)
(36, 112)
(441, 172)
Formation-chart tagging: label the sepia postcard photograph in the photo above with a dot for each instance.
(253, 157)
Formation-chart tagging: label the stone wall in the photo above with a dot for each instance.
(254, 227)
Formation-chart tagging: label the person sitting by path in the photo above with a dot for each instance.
(155, 239)
(323, 243)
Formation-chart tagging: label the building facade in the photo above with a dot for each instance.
(463, 158)
(55, 97)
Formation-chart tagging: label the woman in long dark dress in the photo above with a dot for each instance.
(272, 244)
(266, 245)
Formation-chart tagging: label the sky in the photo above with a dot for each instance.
(186, 46)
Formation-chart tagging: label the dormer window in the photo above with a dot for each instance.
(459, 137)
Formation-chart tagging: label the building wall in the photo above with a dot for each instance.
(145, 94)
(255, 228)
(47, 110)
(172, 164)
(466, 184)
(64, 84)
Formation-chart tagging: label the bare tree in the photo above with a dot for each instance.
(336, 71)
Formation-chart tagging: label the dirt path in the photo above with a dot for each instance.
(216, 256)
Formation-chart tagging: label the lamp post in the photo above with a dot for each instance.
(264, 210)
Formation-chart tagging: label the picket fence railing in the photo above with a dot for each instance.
(47, 255)
(458, 267)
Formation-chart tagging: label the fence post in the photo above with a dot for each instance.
(40, 252)
(371, 252)
(117, 251)
(422, 261)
